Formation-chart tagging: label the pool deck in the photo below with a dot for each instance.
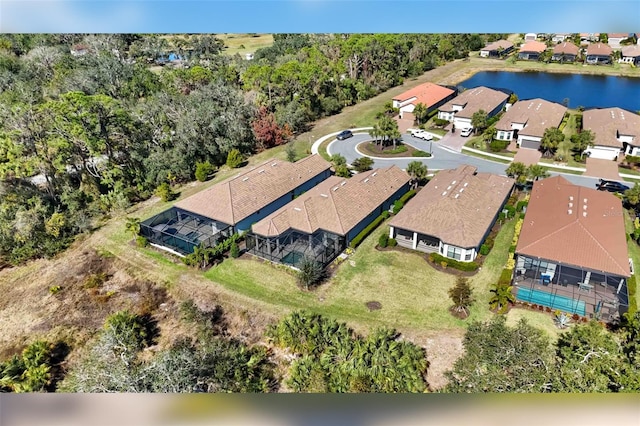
(591, 296)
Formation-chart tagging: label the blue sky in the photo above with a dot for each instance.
(224, 16)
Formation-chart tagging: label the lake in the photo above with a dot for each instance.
(580, 89)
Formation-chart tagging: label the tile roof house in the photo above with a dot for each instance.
(526, 121)
(598, 53)
(321, 222)
(460, 109)
(631, 54)
(496, 49)
(234, 204)
(614, 39)
(572, 250)
(615, 130)
(561, 37)
(532, 50)
(565, 52)
(453, 213)
(429, 94)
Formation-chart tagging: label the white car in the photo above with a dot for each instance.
(466, 131)
(421, 134)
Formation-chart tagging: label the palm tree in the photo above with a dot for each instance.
(133, 226)
(418, 171)
(536, 171)
(501, 297)
(420, 112)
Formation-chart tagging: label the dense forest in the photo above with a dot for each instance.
(90, 124)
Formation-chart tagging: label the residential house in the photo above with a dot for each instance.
(586, 38)
(527, 120)
(453, 214)
(616, 130)
(531, 50)
(565, 52)
(571, 254)
(429, 94)
(496, 49)
(233, 205)
(614, 39)
(530, 36)
(631, 54)
(559, 38)
(598, 54)
(460, 109)
(320, 223)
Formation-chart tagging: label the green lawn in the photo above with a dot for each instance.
(244, 43)
(540, 320)
(634, 249)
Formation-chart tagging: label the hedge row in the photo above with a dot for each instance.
(632, 288)
(399, 204)
(505, 277)
(366, 231)
(462, 266)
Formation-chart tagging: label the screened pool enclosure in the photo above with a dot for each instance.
(292, 246)
(180, 231)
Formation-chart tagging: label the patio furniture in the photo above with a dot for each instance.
(585, 286)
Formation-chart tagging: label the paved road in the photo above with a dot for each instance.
(442, 158)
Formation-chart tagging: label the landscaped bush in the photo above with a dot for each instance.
(510, 212)
(165, 192)
(439, 122)
(400, 202)
(632, 288)
(397, 150)
(512, 249)
(521, 205)
(632, 159)
(497, 145)
(505, 277)
(383, 240)
(141, 241)
(366, 231)
(484, 249)
(456, 264)
(392, 242)
(420, 154)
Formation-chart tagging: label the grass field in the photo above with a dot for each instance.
(244, 43)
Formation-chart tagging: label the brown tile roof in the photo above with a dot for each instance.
(236, 198)
(566, 48)
(631, 51)
(533, 46)
(618, 35)
(537, 115)
(554, 231)
(474, 100)
(456, 206)
(599, 49)
(608, 123)
(504, 44)
(336, 204)
(427, 94)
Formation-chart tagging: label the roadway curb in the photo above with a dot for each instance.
(316, 145)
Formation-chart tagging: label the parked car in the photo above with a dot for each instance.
(611, 186)
(466, 131)
(345, 134)
(421, 134)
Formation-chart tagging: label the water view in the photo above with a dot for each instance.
(588, 91)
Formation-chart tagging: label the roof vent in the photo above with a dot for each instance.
(274, 164)
(584, 207)
(448, 187)
(261, 171)
(444, 193)
(246, 178)
(569, 211)
(366, 180)
(454, 182)
(324, 195)
(570, 205)
(465, 184)
(456, 196)
(374, 173)
(570, 197)
(298, 209)
(335, 189)
(343, 182)
(461, 189)
(585, 201)
(584, 214)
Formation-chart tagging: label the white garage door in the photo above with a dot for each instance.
(603, 154)
(528, 143)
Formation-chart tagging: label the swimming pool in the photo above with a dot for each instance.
(553, 301)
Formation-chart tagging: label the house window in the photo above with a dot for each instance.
(441, 249)
(467, 257)
(454, 253)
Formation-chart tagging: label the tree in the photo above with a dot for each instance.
(461, 296)
(513, 98)
(290, 150)
(204, 170)
(343, 171)
(501, 297)
(267, 131)
(551, 139)
(581, 141)
(479, 120)
(362, 164)
(518, 171)
(133, 226)
(632, 195)
(418, 172)
(234, 159)
(165, 192)
(500, 358)
(420, 111)
(310, 272)
(536, 171)
(235, 250)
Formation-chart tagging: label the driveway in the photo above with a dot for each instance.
(605, 169)
(527, 156)
(453, 141)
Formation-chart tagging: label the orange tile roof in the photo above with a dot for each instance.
(558, 227)
(457, 206)
(427, 94)
(537, 115)
(566, 48)
(608, 123)
(599, 49)
(533, 46)
(336, 205)
(236, 198)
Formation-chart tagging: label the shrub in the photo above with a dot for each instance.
(95, 280)
(203, 171)
(439, 122)
(461, 266)
(235, 250)
(392, 242)
(54, 289)
(521, 205)
(420, 154)
(484, 249)
(383, 241)
(498, 145)
(366, 231)
(400, 202)
(165, 192)
(512, 249)
(385, 214)
(632, 159)
(505, 277)
(141, 241)
(632, 289)
(234, 159)
(397, 150)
